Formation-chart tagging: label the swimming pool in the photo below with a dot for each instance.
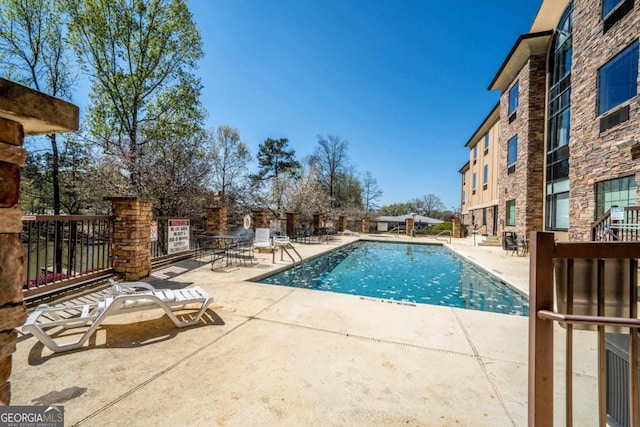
(416, 273)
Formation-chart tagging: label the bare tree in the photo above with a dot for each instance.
(229, 157)
(331, 160)
(370, 192)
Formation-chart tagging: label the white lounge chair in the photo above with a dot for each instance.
(262, 239)
(124, 298)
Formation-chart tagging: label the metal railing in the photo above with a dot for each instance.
(64, 249)
(444, 232)
(596, 290)
(626, 229)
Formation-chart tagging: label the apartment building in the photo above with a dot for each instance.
(568, 125)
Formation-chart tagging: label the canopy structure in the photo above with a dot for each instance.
(418, 219)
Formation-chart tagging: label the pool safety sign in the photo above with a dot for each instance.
(178, 236)
(617, 214)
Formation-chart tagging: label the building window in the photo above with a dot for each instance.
(485, 176)
(512, 151)
(475, 153)
(484, 216)
(511, 213)
(619, 192)
(608, 6)
(486, 141)
(558, 205)
(464, 197)
(558, 125)
(618, 79)
(473, 183)
(513, 98)
(464, 178)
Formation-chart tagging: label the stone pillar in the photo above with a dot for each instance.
(131, 240)
(318, 223)
(365, 224)
(260, 219)
(12, 255)
(292, 224)
(216, 220)
(342, 223)
(409, 226)
(457, 228)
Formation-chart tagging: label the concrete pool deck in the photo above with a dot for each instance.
(272, 355)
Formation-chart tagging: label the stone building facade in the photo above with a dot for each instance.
(569, 139)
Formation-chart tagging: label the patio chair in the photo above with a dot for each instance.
(262, 239)
(124, 298)
(510, 243)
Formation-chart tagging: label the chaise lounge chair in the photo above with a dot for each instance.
(124, 298)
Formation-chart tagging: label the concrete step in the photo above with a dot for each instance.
(491, 241)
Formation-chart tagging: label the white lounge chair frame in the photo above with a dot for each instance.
(125, 299)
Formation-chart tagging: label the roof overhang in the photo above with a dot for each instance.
(464, 168)
(487, 123)
(549, 15)
(526, 46)
(38, 113)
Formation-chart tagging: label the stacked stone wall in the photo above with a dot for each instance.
(594, 156)
(216, 220)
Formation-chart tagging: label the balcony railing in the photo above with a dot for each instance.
(626, 229)
(596, 289)
(63, 250)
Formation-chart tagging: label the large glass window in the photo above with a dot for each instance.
(486, 141)
(618, 79)
(619, 192)
(558, 205)
(514, 97)
(512, 150)
(608, 6)
(511, 212)
(473, 183)
(485, 175)
(559, 125)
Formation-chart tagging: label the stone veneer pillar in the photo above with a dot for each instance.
(216, 220)
(131, 239)
(456, 233)
(12, 255)
(292, 224)
(318, 222)
(365, 224)
(409, 226)
(342, 223)
(259, 219)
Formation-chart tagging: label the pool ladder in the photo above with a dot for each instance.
(284, 248)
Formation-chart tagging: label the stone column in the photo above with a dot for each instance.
(260, 219)
(216, 220)
(318, 223)
(342, 223)
(457, 228)
(292, 224)
(365, 224)
(12, 255)
(131, 240)
(409, 226)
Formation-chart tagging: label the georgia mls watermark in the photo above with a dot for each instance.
(32, 416)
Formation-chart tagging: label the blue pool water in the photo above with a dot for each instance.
(426, 274)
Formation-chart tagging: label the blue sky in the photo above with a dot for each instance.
(404, 82)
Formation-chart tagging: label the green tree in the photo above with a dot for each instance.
(33, 52)
(276, 163)
(139, 56)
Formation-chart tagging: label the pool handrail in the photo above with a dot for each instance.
(441, 233)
